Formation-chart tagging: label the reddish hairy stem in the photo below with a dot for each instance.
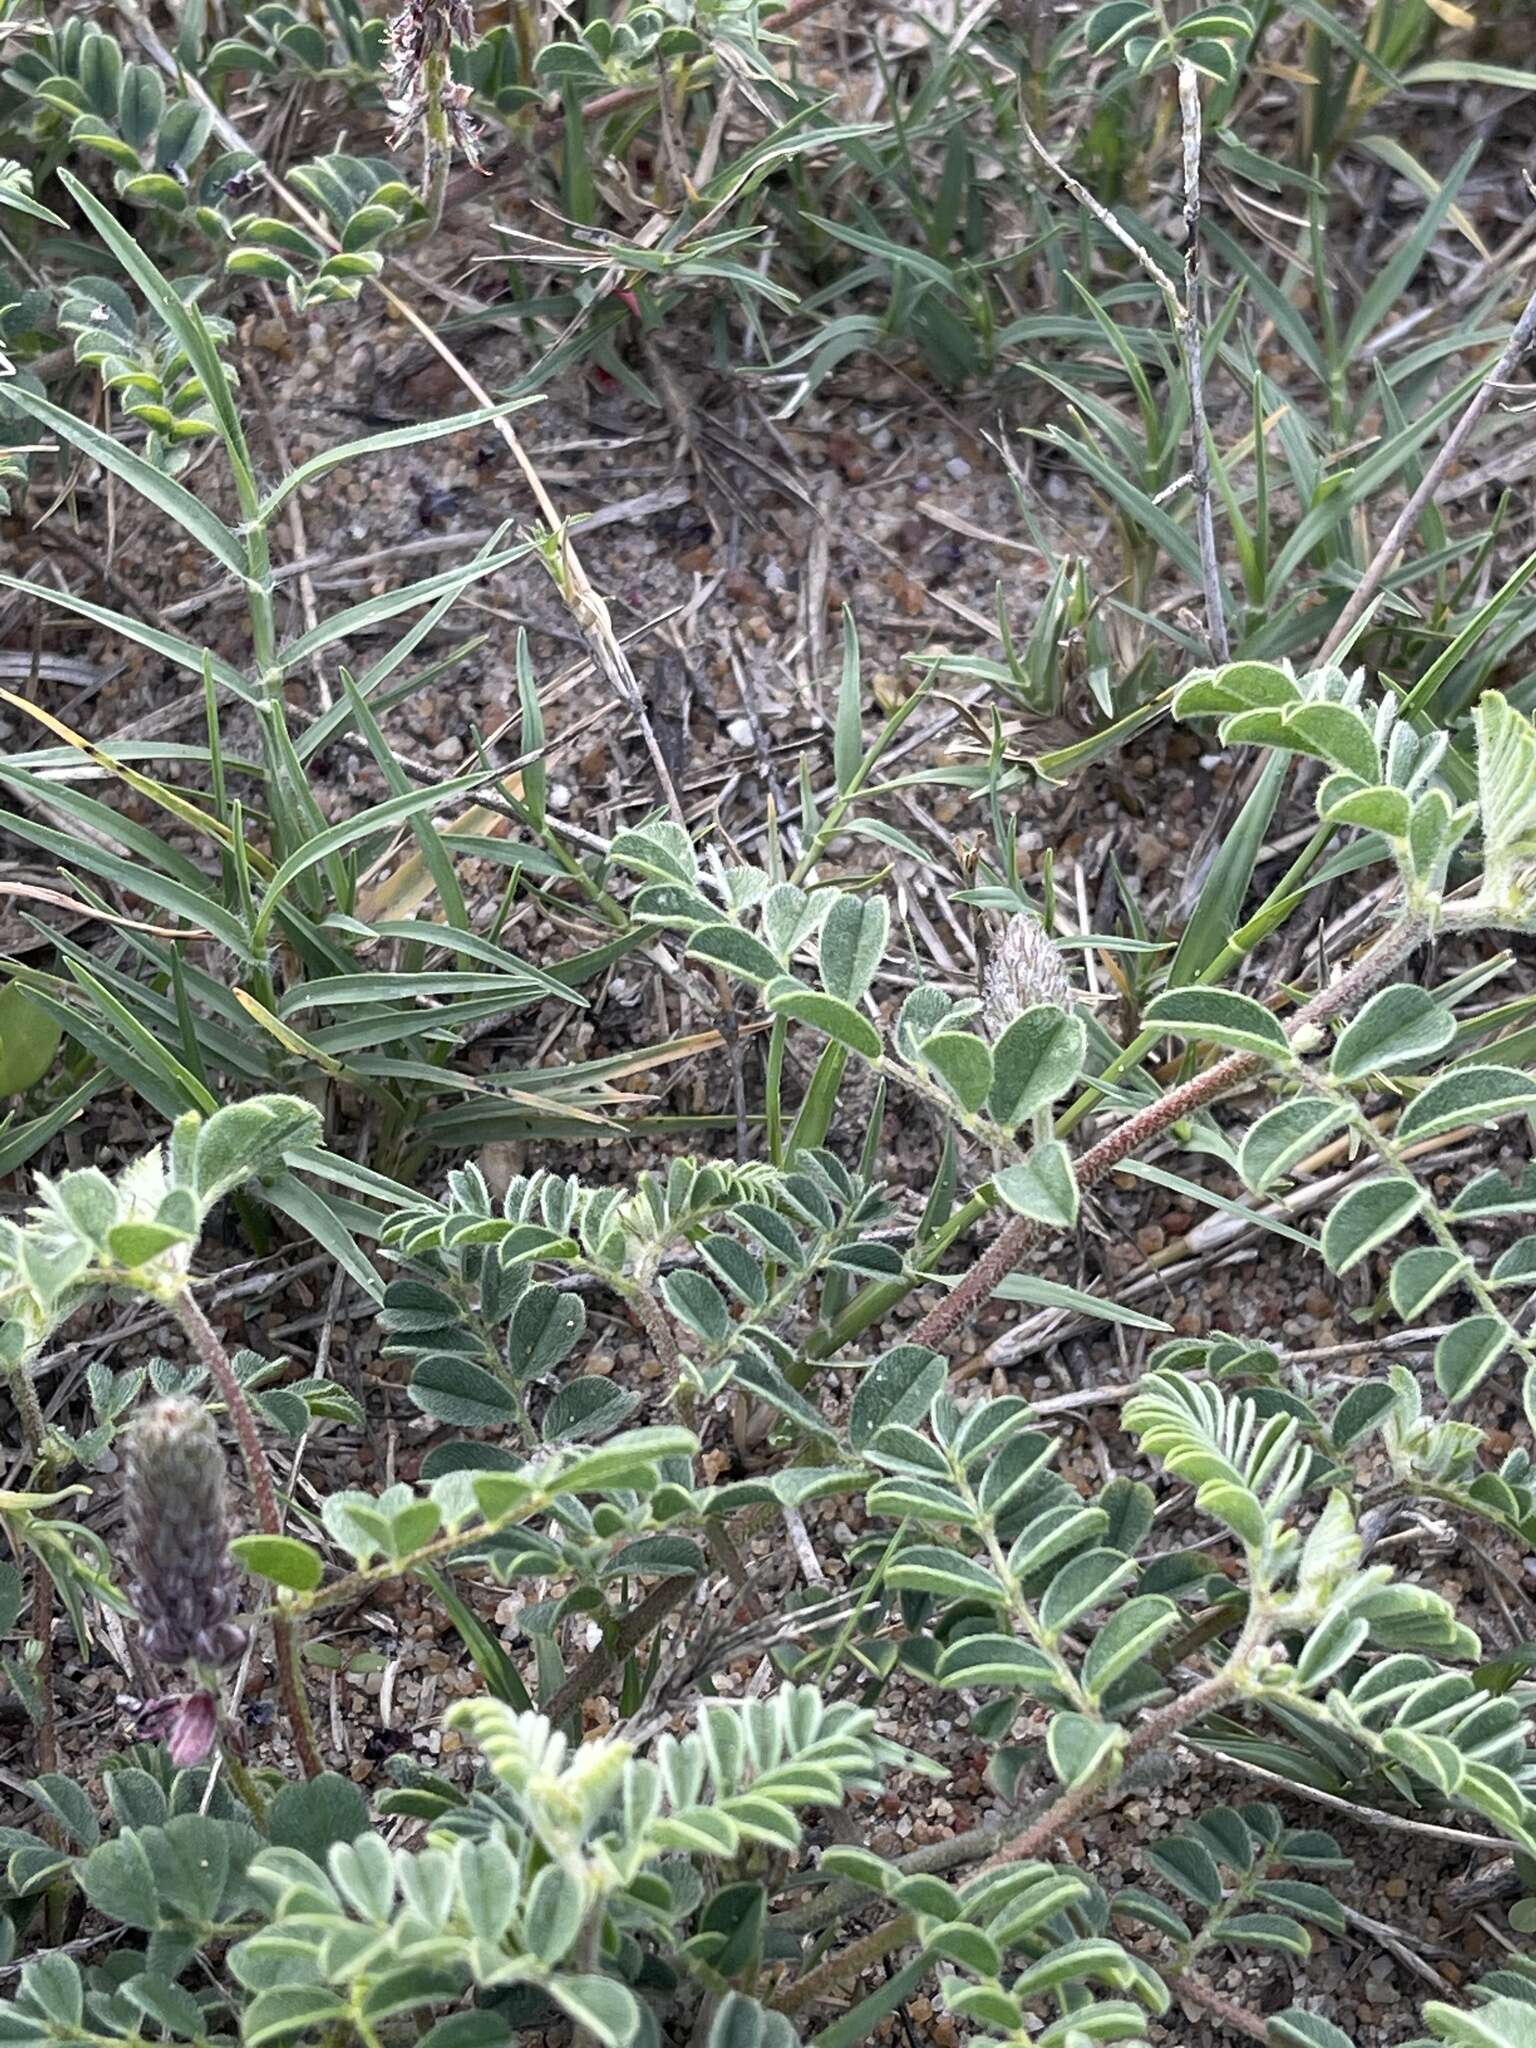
(205, 1341)
(1231, 2014)
(848, 1962)
(956, 1310)
(1073, 1804)
(1150, 1734)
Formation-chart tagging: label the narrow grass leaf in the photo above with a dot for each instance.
(151, 484)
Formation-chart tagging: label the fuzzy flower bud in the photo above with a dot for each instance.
(1025, 968)
(183, 1581)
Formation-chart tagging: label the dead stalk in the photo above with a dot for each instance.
(1521, 340)
(1184, 317)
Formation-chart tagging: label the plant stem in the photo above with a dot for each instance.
(631, 1632)
(1072, 1805)
(653, 1320)
(33, 1428)
(870, 1948)
(1152, 1733)
(245, 1785)
(204, 1340)
(1198, 1992)
(439, 155)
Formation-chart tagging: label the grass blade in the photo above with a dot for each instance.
(376, 444)
(151, 484)
(180, 653)
(395, 810)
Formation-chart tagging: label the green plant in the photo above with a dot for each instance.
(695, 1455)
(280, 889)
(979, 1570)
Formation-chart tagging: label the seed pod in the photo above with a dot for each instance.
(1025, 968)
(183, 1580)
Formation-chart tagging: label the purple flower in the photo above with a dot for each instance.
(187, 1723)
(183, 1583)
